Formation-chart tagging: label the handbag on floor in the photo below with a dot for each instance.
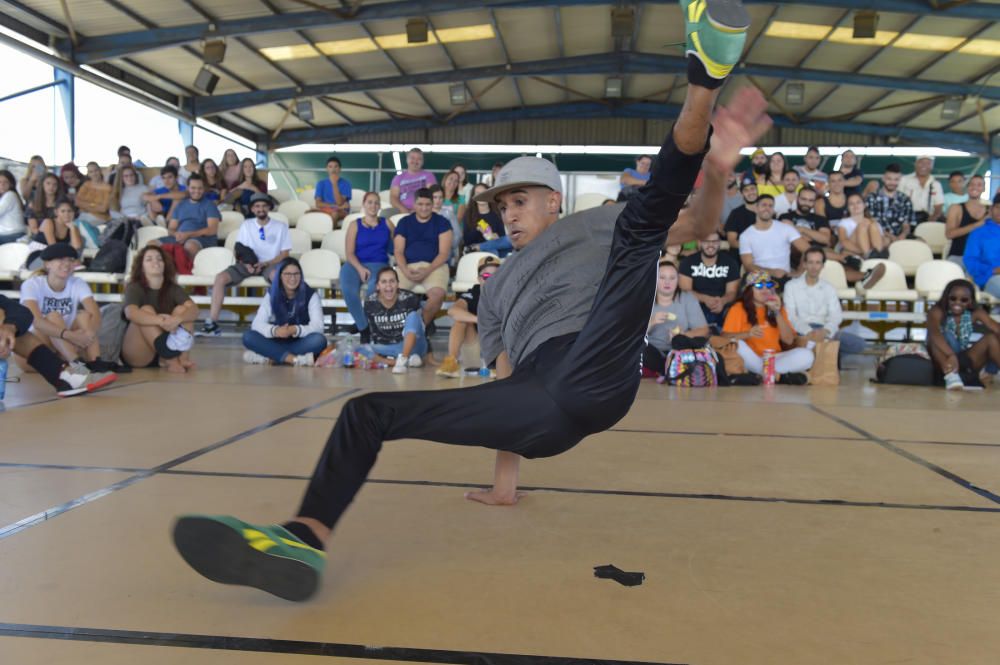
(824, 371)
(694, 368)
(905, 364)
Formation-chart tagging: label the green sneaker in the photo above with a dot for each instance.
(230, 551)
(716, 32)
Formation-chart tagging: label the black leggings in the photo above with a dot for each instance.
(568, 388)
(654, 359)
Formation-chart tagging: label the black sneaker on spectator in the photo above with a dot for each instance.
(366, 336)
(107, 366)
(76, 379)
(872, 277)
(793, 379)
(853, 262)
(209, 329)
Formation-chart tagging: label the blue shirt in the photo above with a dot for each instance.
(372, 245)
(638, 176)
(324, 190)
(166, 202)
(194, 215)
(982, 252)
(422, 238)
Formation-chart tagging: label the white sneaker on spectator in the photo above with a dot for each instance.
(400, 366)
(77, 379)
(416, 361)
(304, 360)
(253, 358)
(952, 381)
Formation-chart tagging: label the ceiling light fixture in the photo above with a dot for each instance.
(613, 87)
(416, 31)
(304, 109)
(795, 94)
(865, 23)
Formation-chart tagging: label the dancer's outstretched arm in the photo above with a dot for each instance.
(504, 491)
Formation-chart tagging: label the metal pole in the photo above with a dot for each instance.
(30, 90)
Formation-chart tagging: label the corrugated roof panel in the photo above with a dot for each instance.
(590, 85)
(90, 17)
(899, 62)
(661, 29)
(530, 34)
(536, 93)
(961, 67)
(587, 29)
(643, 85)
(253, 67)
(845, 99)
(406, 100)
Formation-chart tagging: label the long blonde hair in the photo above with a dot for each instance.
(116, 192)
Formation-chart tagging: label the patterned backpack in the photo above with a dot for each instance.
(691, 367)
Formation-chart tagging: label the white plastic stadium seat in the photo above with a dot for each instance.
(933, 234)
(208, 263)
(280, 195)
(278, 216)
(233, 216)
(12, 257)
(892, 287)
(385, 198)
(467, 273)
(357, 198)
(588, 201)
(147, 233)
(316, 224)
(395, 218)
(321, 268)
(910, 254)
(301, 242)
(351, 218)
(231, 242)
(336, 242)
(933, 276)
(833, 273)
(228, 227)
(308, 196)
(293, 210)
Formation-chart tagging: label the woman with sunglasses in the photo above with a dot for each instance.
(949, 337)
(288, 327)
(757, 323)
(465, 315)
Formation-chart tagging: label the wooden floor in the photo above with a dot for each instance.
(799, 526)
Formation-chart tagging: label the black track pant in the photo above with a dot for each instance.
(568, 388)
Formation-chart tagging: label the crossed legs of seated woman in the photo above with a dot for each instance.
(949, 337)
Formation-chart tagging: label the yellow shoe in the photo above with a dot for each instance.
(449, 368)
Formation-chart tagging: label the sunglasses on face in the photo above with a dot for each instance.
(764, 285)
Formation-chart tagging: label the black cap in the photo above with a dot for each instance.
(747, 181)
(59, 250)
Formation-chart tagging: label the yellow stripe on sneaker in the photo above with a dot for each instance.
(695, 10)
(714, 69)
(302, 546)
(262, 542)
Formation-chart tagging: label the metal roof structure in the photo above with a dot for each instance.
(526, 61)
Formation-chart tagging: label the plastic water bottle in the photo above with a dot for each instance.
(347, 352)
(768, 367)
(484, 371)
(3, 378)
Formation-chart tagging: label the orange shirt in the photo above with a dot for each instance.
(737, 322)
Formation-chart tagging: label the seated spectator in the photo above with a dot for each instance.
(60, 230)
(632, 179)
(72, 180)
(157, 181)
(956, 191)
(128, 198)
(743, 217)
(162, 199)
(333, 193)
(712, 277)
(859, 234)
(767, 245)
(758, 167)
(397, 327)
(438, 206)
(160, 315)
(191, 166)
(229, 168)
(482, 228)
(733, 198)
(464, 313)
(982, 252)
(288, 327)
(32, 177)
(124, 159)
(833, 206)
(454, 199)
(194, 221)
(94, 197)
(964, 218)
(43, 206)
(12, 226)
(810, 174)
(774, 183)
(814, 308)
(211, 177)
(924, 191)
(367, 245)
(261, 244)
(464, 186)
(786, 201)
(494, 172)
(402, 192)
(759, 323)
(16, 337)
(246, 187)
(674, 312)
(422, 246)
(55, 298)
(890, 207)
(949, 337)
(851, 172)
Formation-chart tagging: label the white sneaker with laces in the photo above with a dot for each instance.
(77, 379)
(253, 358)
(304, 360)
(400, 366)
(415, 361)
(952, 381)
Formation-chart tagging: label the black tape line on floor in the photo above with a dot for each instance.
(612, 572)
(45, 515)
(297, 647)
(49, 400)
(930, 466)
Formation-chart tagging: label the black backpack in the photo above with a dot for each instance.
(908, 369)
(111, 257)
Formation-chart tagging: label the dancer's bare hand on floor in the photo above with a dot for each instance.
(736, 126)
(493, 498)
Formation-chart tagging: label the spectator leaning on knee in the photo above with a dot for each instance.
(982, 252)
(464, 313)
(406, 185)
(367, 244)
(890, 207)
(767, 245)
(333, 193)
(194, 221)
(395, 320)
(814, 308)
(674, 313)
(288, 327)
(422, 246)
(949, 337)
(711, 276)
(759, 323)
(261, 244)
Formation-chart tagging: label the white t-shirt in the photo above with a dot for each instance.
(783, 205)
(276, 238)
(771, 248)
(66, 302)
